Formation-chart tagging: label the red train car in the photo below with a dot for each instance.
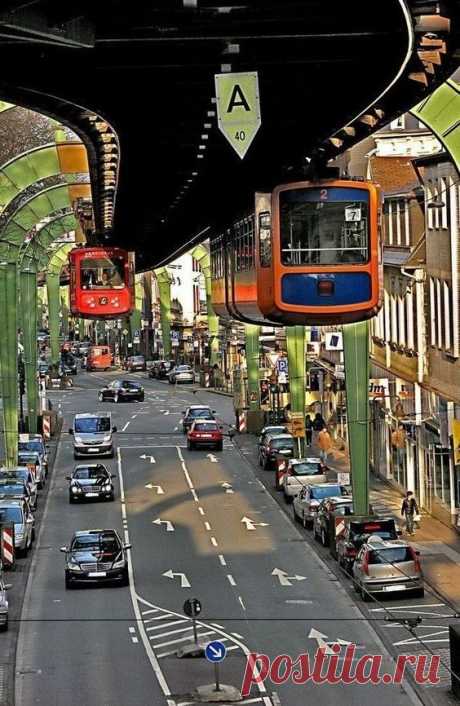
(101, 282)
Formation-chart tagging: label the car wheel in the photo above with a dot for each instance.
(5, 625)
(220, 446)
(125, 579)
(306, 522)
(71, 500)
(355, 585)
(288, 499)
(323, 537)
(100, 397)
(365, 596)
(68, 583)
(141, 398)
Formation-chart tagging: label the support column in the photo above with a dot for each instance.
(255, 416)
(9, 360)
(135, 319)
(356, 354)
(202, 255)
(295, 342)
(52, 287)
(64, 296)
(164, 287)
(81, 329)
(28, 291)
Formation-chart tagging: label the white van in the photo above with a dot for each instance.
(92, 435)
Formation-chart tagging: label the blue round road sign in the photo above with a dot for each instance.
(215, 651)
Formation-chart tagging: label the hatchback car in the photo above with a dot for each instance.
(135, 362)
(91, 481)
(272, 430)
(196, 411)
(283, 444)
(16, 512)
(96, 556)
(33, 461)
(205, 432)
(122, 391)
(181, 374)
(34, 442)
(322, 520)
(357, 532)
(306, 503)
(300, 472)
(385, 567)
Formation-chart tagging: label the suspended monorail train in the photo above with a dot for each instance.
(101, 282)
(309, 254)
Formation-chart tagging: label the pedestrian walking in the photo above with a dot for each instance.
(409, 510)
(325, 444)
(308, 430)
(318, 422)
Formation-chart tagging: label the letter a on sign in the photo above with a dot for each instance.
(238, 108)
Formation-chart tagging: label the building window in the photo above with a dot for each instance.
(401, 321)
(439, 313)
(432, 312)
(447, 316)
(399, 123)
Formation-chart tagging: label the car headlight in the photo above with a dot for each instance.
(76, 489)
(119, 564)
(78, 439)
(107, 486)
(106, 438)
(73, 567)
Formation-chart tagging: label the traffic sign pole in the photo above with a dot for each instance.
(216, 675)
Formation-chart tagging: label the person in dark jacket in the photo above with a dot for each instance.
(409, 509)
(318, 422)
(308, 430)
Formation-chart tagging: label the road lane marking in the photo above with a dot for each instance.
(195, 496)
(214, 542)
(183, 639)
(201, 511)
(207, 526)
(231, 580)
(160, 635)
(168, 625)
(132, 629)
(241, 603)
(222, 560)
(134, 640)
(132, 590)
(126, 426)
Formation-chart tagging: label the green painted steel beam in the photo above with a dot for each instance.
(9, 360)
(58, 259)
(28, 298)
(135, 318)
(201, 254)
(252, 333)
(164, 287)
(295, 342)
(356, 355)
(26, 169)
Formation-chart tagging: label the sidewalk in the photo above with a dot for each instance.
(438, 544)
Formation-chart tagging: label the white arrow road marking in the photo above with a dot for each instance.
(251, 525)
(144, 457)
(228, 488)
(321, 640)
(212, 458)
(284, 579)
(159, 489)
(184, 582)
(169, 525)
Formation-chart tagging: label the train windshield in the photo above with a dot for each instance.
(324, 226)
(102, 273)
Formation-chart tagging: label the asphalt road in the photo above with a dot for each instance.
(226, 535)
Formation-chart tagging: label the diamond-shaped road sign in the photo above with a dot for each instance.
(238, 108)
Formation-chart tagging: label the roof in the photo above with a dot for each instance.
(305, 460)
(397, 258)
(396, 175)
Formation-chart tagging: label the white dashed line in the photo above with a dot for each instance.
(242, 603)
(222, 560)
(231, 580)
(134, 640)
(214, 541)
(126, 426)
(208, 526)
(132, 629)
(195, 496)
(201, 511)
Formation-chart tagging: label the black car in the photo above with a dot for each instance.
(196, 412)
(120, 390)
(90, 481)
(280, 444)
(160, 369)
(68, 364)
(96, 556)
(357, 532)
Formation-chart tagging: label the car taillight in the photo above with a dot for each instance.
(418, 568)
(365, 564)
(350, 551)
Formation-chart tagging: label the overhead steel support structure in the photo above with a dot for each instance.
(164, 281)
(201, 255)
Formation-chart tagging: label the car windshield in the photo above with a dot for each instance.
(28, 458)
(95, 542)
(92, 425)
(197, 413)
(90, 472)
(390, 555)
(321, 493)
(18, 473)
(306, 469)
(274, 430)
(385, 532)
(11, 514)
(102, 273)
(283, 444)
(31, 446)
(127, 384)
(201, 426)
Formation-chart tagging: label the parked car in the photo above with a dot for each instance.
(91, 481)
(16, 489)
(122, 391)
(357, 532)
(181, 373)
(272, 430)
(23, 475)
(33, 460)
(342, 505)
(283, 444)
(134, 363)
(43, 369)
(96, 556)
(34, 442)
(300, 472)
(306, 503)
(383, 567)
(15, 511)
(92, 435)
(196, 411)
(160, 369)
(4, 587)
(205, 432)
(68, 365)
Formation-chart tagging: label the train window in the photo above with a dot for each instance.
(265, 239)
(324, 226)
(102, 273)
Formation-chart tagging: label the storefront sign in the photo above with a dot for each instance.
(456, 439)
(378, 388)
